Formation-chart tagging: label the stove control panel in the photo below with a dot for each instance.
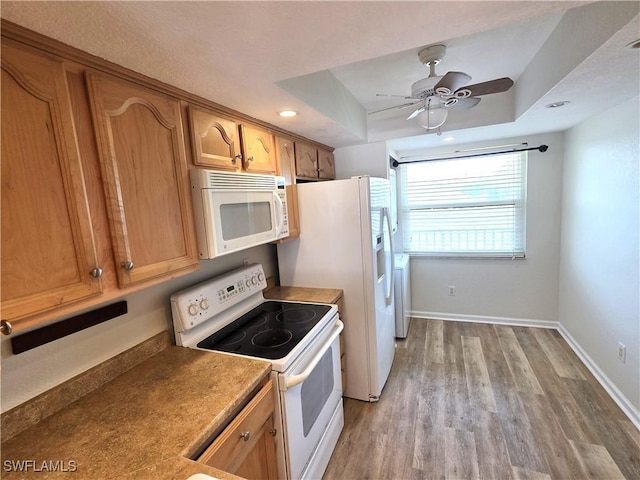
(201, 302)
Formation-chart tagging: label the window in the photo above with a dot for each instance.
(465, 207)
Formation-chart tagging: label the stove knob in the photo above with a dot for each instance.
(260, 277)
(248, 282)
(192, 309)
(254, 280)
(204, 304)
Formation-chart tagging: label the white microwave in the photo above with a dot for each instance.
(235, 211)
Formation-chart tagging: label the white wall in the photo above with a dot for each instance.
(367, 159)
(509, 289)
(599, 272)
(32, 372)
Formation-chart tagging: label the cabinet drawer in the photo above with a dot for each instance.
(228, 450)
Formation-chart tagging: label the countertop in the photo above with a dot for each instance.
(144, 424)
(304, 294)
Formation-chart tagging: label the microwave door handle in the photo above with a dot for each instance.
(301, 377)
(279, 213)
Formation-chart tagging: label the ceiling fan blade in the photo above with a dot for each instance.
(396, 96)
(486, 88)
(463, 103)
(404, 105)
(451, 82)
(416, 113)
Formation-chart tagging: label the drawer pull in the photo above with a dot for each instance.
(245, 436)
(6, 328)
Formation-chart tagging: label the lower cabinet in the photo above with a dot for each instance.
(246, 447)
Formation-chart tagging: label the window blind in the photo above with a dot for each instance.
(465, 207)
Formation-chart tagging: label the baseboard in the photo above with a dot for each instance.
(622, 401)
(516, 322)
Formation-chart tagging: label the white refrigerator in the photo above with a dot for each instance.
(345, 242)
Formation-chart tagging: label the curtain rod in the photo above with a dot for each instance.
(541, 148)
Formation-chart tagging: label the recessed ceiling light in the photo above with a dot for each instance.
(633, 45)
(449, 138)
(558, 104)
(288, 113)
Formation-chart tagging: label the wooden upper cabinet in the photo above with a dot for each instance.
(306, 160)
(287, 169)
(259, 154)
(47, 243)
(215, 141)
(326, 165)
(145, 174)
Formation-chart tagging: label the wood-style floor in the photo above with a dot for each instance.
(470, 400)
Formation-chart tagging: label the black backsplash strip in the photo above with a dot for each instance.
(40, 336)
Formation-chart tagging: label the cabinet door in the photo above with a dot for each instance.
(246, 447)
(306, 160)
(326, 165)
(257, 147)
(143, 162)
(215, 142)
(47, 241)
(287, 169)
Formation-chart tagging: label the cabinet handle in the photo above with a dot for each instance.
(245, 436)
(96, 272)
(273, 432)
(5, 327)
(237, 157)
(128, 266)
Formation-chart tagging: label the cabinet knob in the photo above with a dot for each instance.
(5, 327)
(96, 272)
(250, 159)
(273, 432)
(245, 436)
(128, 266)
(237, 157)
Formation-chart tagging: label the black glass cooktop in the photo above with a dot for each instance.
(271, 330)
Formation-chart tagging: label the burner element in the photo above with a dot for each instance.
(271, 338)
(296, 315)
(234, 339)
(272, 307)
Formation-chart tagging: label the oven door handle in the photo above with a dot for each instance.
(301, 377)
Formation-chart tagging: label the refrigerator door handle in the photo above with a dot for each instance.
(389, 296)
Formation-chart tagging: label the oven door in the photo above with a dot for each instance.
(310, 394)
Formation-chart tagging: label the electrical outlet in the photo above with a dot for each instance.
(622, 352)
(452, 290)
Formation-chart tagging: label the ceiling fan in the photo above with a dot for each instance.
(438, 93)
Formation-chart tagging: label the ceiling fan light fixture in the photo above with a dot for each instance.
(432, 117)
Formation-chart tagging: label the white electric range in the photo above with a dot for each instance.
(229, 315)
